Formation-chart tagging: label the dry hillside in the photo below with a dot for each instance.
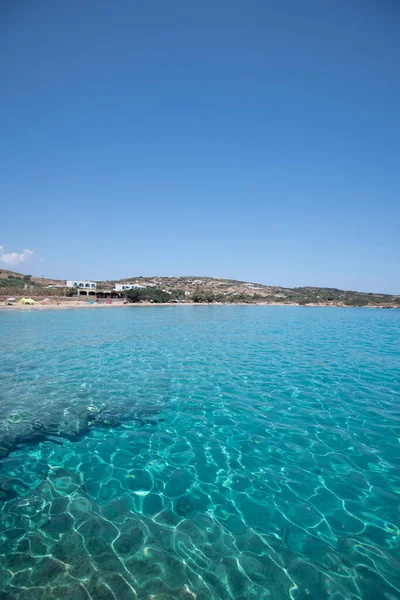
(204, 289)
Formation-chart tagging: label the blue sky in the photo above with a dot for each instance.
(251, 140)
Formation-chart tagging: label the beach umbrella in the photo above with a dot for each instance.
(27, 301)
(10, 299)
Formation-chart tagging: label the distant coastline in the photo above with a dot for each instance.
(149, 291)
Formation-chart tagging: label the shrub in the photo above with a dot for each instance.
(205, 296)
(12, 282)
(355, 302)
(155, 295)
(71, 292)
(134, 295)
(177, 294)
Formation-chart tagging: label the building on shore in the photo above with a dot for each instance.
(123, 287)
(76, 283)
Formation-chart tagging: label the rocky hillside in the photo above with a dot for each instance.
(209, 289)
(9, 277)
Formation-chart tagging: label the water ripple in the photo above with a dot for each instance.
(211, 453)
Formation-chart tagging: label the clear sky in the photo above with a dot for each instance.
(255, 140)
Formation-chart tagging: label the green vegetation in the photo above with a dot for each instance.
(155, 295)
(134, 295)
(14, 282)
(335, 296)
(70, 292)
(203, 296)
(177, 294)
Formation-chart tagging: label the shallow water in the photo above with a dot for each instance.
(246, 453)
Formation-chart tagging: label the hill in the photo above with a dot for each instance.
(12, 277)
(207, 289)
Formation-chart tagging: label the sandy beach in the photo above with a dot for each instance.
(64, 305)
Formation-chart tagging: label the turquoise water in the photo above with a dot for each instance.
(200, 453)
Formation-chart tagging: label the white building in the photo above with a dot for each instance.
(122, 287)
(81, 284)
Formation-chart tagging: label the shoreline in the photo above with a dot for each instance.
(64, 305)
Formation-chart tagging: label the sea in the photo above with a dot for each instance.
(200, 453)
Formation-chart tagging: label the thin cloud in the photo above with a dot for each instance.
(12, 259)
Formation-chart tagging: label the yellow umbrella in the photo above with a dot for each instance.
(27, 301)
